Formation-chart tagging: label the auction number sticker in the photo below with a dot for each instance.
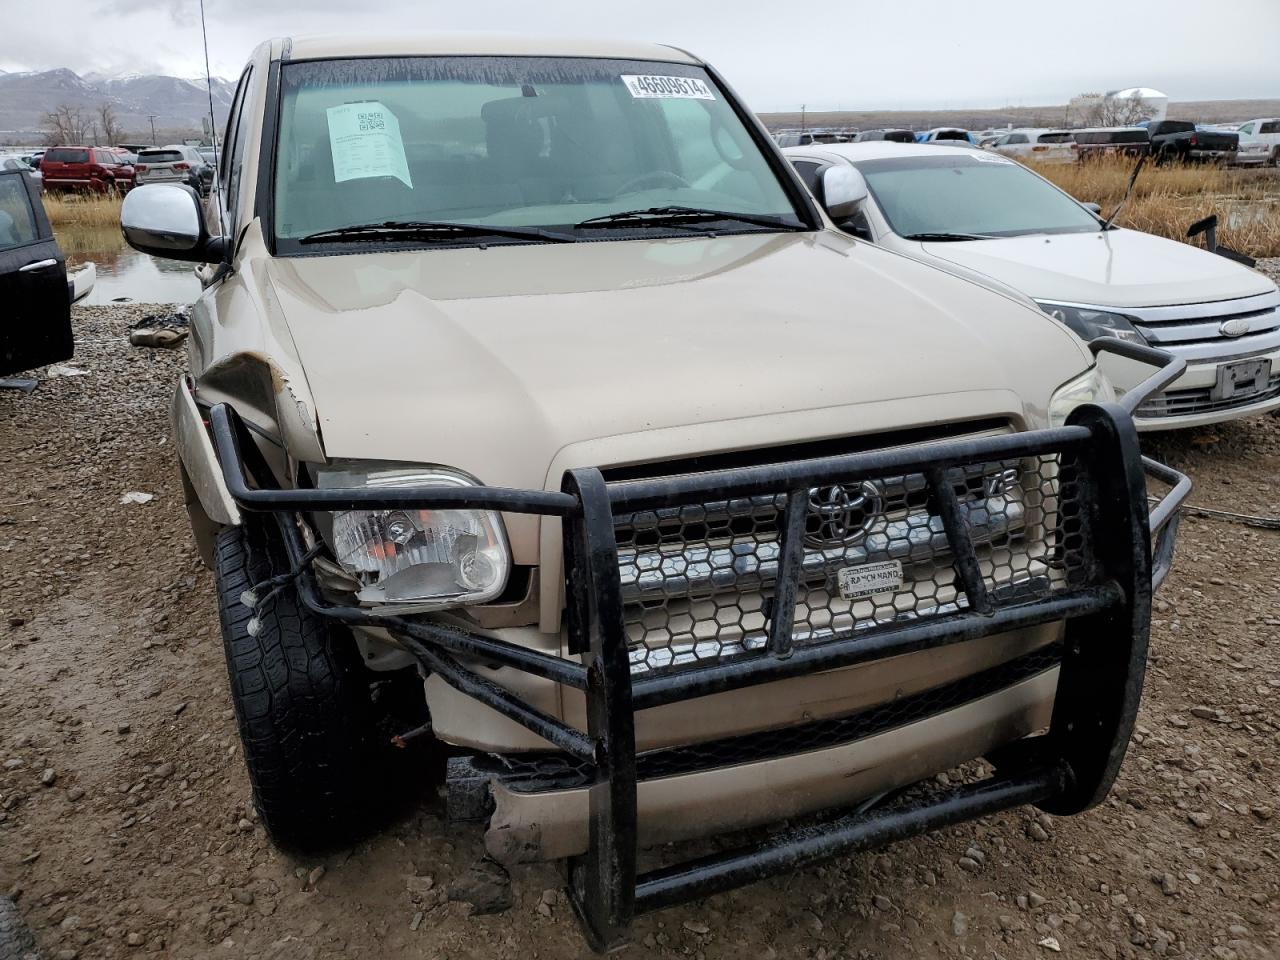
(647, 87)
(868, 579)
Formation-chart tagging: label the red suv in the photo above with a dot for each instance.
(96, 169)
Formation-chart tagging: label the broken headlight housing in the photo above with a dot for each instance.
(1090, 387)
(1089, 324)
(431, 558)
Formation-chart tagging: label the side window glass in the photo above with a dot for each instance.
(233, 144)
(1271, 127)
(231, 134)
(810, 173)
(1247, 128)
(17, 221)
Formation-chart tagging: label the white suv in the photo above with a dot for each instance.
(983, 214)
(1259, 142)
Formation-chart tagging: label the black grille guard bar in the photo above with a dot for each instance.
(1066, 770)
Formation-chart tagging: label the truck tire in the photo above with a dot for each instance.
(321, 768)
(16, 941)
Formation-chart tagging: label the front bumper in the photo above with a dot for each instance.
(1099, 593)
(1197, 398)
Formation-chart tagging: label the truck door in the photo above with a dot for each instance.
(35, 305)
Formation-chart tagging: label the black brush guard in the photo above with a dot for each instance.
(1065, 771)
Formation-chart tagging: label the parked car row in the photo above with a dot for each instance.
(93, 169)
(1255, 142)
(540, 444)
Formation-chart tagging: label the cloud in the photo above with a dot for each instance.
(852, 54)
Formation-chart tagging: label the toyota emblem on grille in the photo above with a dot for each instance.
(1236, 327)
(840, 515)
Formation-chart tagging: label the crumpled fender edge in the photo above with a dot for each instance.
(198, 459)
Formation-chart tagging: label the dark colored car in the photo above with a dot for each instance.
(1180, 140)
(894, 136)
(86, 169)
(35, 304)
(1096, 142)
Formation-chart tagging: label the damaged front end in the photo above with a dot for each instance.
(690, 587)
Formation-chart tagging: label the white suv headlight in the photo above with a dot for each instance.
(1089, 387)
(442, 558)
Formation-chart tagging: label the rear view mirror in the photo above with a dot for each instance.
(843, 188)
(166, 220)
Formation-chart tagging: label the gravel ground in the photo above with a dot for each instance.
(126, 827)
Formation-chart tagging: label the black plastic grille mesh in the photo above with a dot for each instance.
(698, 579)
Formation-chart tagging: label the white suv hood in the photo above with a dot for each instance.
(1120, 268)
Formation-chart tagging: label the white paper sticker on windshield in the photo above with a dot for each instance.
(365, 141)
(680, 88)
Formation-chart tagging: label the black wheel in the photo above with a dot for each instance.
(16, 942)
(317, 748)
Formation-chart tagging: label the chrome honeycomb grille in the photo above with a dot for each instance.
(699, 579)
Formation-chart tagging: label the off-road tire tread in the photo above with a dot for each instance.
(16, 941)
(302, 703)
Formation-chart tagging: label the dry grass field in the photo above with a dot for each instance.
(1168, 199)
(74, 210)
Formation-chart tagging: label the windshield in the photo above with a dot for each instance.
(510, 142)
(980, 194)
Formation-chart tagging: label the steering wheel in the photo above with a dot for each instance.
(657, 178)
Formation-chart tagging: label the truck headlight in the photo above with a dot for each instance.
(1089, 387)
(442, 558)
(1091, 324)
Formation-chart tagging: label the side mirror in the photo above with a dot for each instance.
(166, 220)
(1093, 208)
(843, 189)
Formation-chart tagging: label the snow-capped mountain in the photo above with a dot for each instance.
(177, 104)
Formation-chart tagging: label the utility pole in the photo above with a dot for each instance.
(802, 126)
(152, 118)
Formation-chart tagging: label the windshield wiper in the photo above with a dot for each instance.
(426, 230)
(680, 216)
(948, 236)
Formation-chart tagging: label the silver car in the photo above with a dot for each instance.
(173, 164)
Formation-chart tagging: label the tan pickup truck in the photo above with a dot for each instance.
(530, 417)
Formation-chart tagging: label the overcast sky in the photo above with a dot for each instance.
(850, 54)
